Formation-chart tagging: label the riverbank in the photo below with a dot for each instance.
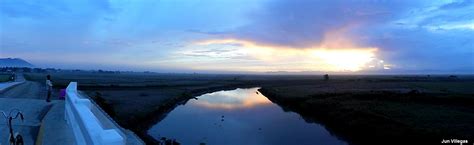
(384, 113)
(149, 117)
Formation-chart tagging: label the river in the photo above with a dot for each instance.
(239, 117)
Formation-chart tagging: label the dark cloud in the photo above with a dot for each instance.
(303, 23)
(418, 49)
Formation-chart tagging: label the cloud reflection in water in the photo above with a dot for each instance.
(239, 98)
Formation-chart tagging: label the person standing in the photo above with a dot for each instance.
(49, 87)
(14, 77)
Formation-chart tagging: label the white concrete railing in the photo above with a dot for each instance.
(90, 127)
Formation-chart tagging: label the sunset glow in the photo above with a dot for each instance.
(342, 60)
(311, 59)
(240, 98)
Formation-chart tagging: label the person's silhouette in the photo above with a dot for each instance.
(49, 87)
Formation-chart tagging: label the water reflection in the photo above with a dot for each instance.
(238, 117)
(239, 98)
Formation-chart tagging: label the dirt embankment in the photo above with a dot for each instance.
(147, 120)
(141, 121)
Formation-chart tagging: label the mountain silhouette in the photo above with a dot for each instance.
(14, 62)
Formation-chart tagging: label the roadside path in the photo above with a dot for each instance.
(27, 90)
(44, 122)
(4, 86)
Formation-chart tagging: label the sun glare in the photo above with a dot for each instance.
(345, 60)
(304, 59)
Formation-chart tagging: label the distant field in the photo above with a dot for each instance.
(4, 78)
(354, 106)
(130, 79)
(169, 79)
(423, 110)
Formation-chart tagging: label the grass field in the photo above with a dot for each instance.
(370, 112)
(361, 109)
(4, 78)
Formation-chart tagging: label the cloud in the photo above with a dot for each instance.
(419, 49)
(409, 34)
(277, 58)
(305, 23)
(457, 4)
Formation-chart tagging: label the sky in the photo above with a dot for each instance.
(255, 36)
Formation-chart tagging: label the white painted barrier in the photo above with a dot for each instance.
(90, 126)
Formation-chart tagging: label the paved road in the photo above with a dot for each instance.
(44, 122)
(33, 110)
(29, 97)
(27, 90)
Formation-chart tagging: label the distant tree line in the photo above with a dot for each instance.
(22, 69)
(53, 70)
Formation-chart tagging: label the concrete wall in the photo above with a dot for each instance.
(90, 127)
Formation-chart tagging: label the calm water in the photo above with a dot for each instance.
(239, 117)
